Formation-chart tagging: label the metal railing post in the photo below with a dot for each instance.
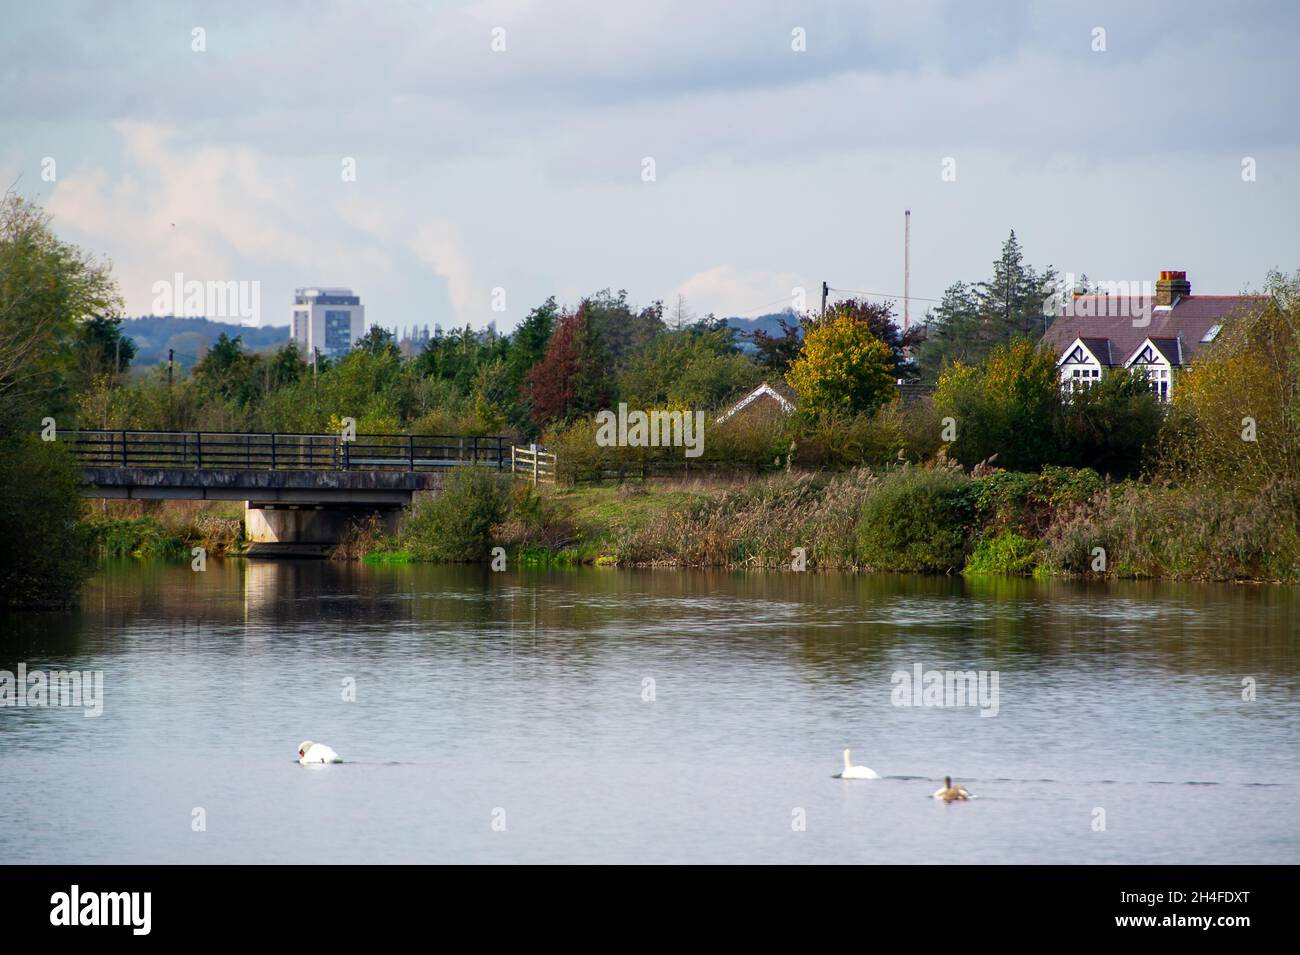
(123, 449)
(198, 450)
(272, 450)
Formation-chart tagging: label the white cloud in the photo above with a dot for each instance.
(726, 291)
(214, 213)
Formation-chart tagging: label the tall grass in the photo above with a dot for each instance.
(759, 525)
(1163, 530)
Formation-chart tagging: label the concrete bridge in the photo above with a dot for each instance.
(300, 491)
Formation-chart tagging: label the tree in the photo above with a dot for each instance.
(973, 319)
(843, 368)
(378, 341)
(101, 347)
(527, 347)
(45, 557)
(621, 331)
(698, 366)
(571, 379)
(1011, 302)
(457, 355)
(1236, 411)
(1111, 426)
(225, 370)
(777, 353)
(47, 287)
(287, 366)
(1007, 407)
(879, 319)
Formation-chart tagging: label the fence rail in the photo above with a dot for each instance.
(199, 450)
(533, 465)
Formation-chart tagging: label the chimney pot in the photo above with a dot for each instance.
(1171, 286)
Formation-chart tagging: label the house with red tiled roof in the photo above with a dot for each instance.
(1158, 334)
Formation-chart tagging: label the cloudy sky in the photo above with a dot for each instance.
(526, 168)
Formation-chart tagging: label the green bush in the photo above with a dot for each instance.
(917, 520)
(1004, 553)
(455, 525)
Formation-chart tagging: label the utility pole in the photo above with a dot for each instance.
(171, 352)
(907, 267)
(825, 289)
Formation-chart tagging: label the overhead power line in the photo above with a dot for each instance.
(858, 291)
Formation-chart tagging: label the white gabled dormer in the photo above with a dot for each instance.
(1080, 364)
(1157, 358)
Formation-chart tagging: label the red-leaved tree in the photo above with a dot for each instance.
(572, 378)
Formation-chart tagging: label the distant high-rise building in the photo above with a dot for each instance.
(330, 320)
(413, 341)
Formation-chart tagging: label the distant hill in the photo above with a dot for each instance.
(191, 337)
(769, 323)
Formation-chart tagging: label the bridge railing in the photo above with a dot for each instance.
(219, 450)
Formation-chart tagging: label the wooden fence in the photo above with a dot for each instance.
(533, 465)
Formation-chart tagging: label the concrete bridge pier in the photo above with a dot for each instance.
(292, 530)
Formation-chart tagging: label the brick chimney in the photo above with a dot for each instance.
(1171, 286)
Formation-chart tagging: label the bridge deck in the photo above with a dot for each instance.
(265, 469)
(283, 452)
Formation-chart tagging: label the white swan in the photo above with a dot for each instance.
(309, 752)
(950, 793)
(855, 772)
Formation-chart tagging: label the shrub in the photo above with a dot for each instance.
(1004, 553)
(838, 441)
(455, 525)
(1028, 503)
(361, 539)
(535, 522)
(916, 520)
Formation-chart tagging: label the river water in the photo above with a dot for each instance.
(652, 716)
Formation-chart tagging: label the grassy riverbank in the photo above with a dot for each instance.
(1063, 521)
(941, 520)
(166, 530)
